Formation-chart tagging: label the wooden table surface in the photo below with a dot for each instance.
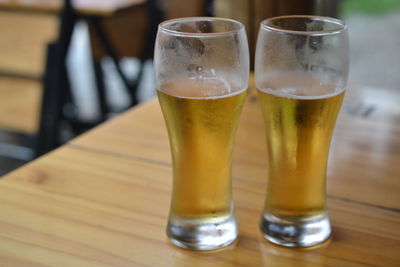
(103, 199)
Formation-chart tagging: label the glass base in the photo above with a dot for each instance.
(205, 234)
(296, 233)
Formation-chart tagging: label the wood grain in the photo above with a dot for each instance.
(126, 29)
(23, 43)
(19, 104)
(363, 164)
(76, 207)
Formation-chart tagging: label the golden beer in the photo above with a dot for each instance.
(202, 69)
(301, 69)
(201, 123)
(299, 123)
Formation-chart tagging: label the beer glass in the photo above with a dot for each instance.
(301, 69)
(202, 69)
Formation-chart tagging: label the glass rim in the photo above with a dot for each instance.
(341, 25)
(162, 27)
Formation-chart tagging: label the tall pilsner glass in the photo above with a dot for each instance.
(202, 71)
(301, 69)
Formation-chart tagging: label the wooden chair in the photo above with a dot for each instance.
(110, 24)
(118, 28)
(104, 31)
(129, 33)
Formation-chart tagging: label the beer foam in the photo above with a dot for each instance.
(201, 88)
(298, 85)
(300, 93)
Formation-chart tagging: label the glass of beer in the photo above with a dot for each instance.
(301, 70)
(202, 71)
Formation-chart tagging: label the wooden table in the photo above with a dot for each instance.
(102, 199)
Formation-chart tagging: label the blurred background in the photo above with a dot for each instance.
(66, 66)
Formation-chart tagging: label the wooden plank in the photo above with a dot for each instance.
(363, 162)
(178, 8)
(76, 207)
(19, 104)
(126, 30)
(24, 41)
(32, 6)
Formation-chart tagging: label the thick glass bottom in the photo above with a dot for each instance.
(304, 232)
(204, 234)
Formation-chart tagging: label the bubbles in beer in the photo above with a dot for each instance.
(201, 117)
(205, 85)
(300, 113)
